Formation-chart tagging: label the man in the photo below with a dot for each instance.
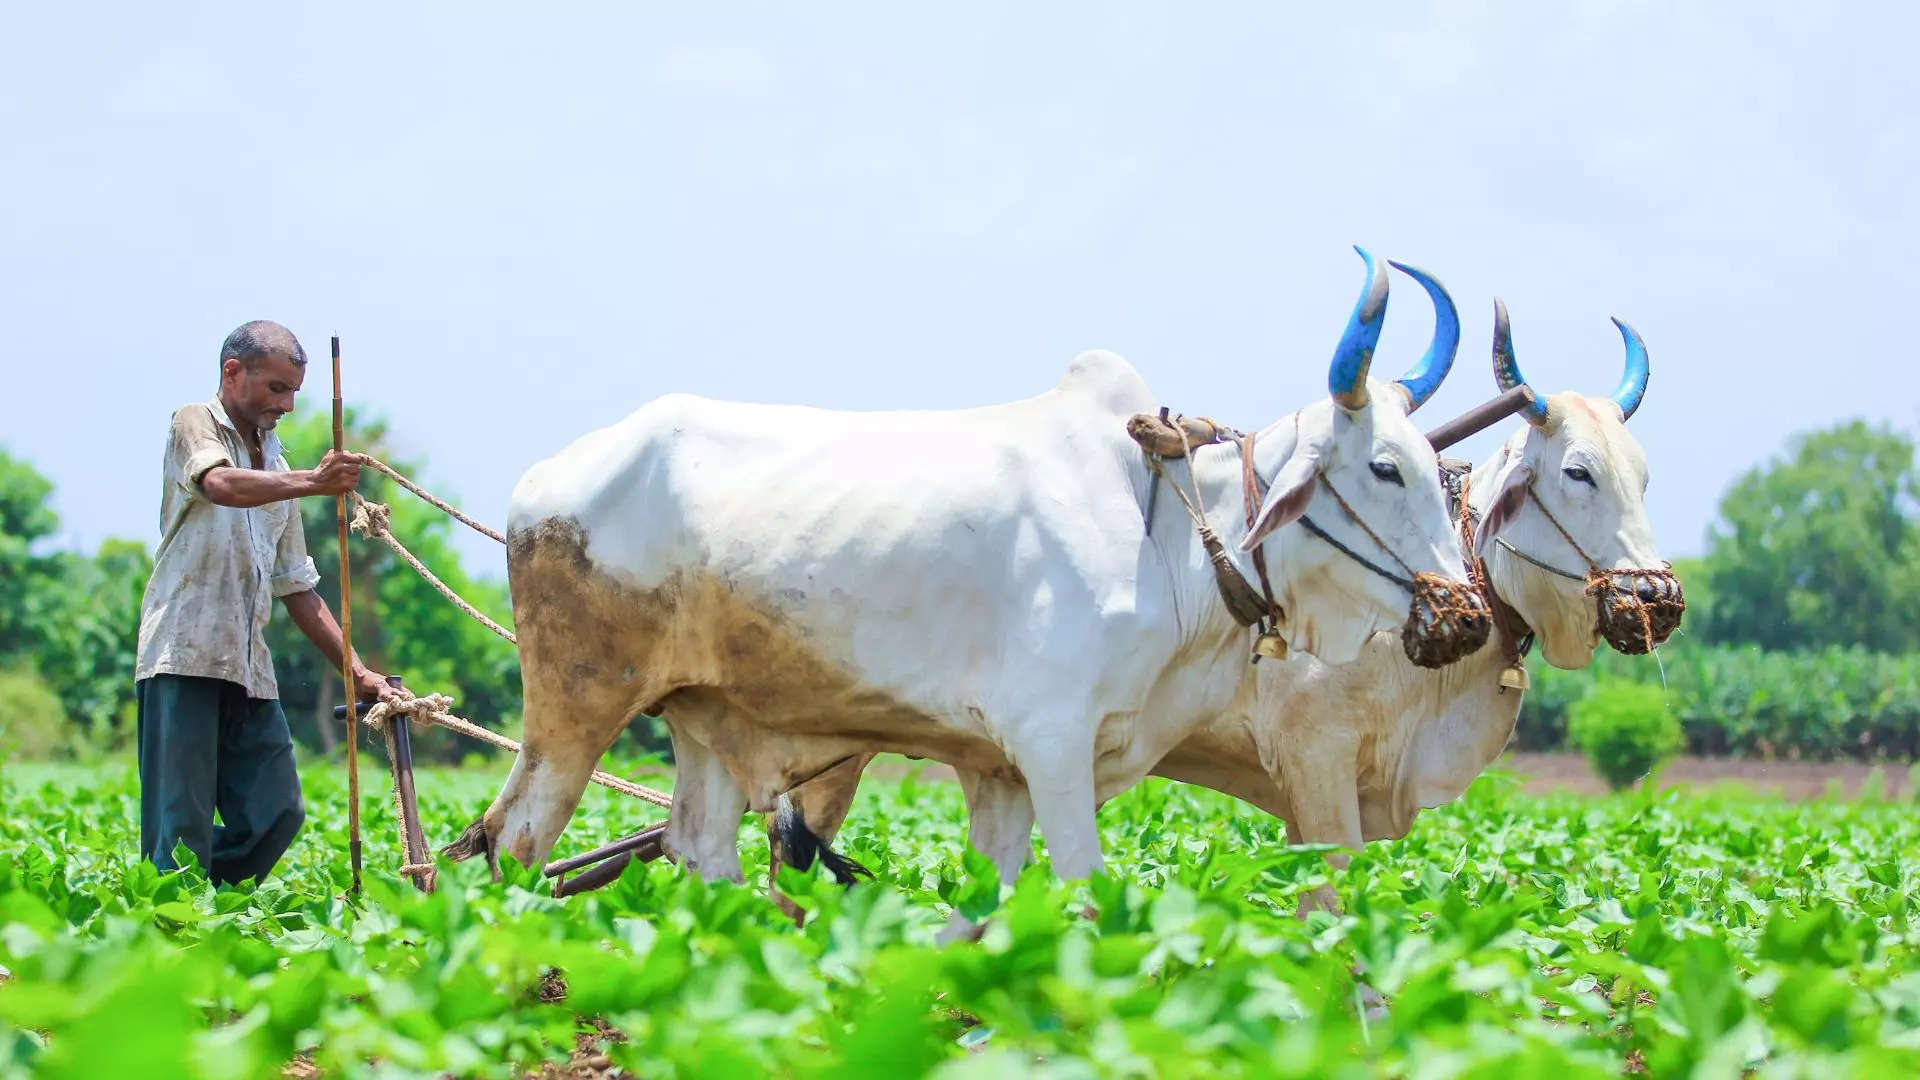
(211, 732)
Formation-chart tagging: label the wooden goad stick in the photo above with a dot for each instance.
(346, 641)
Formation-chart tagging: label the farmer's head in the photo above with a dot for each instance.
(261, 368)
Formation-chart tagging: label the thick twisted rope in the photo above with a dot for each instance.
(426, 874)
(432, 709)
(440, 504)
(375, 520)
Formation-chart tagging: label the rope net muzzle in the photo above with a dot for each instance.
(1639, 608)
(1447, 622)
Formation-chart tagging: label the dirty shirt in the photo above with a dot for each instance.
(218, 569)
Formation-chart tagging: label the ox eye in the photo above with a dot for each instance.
(1578, 474)
(1389, 472)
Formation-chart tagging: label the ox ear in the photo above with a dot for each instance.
(1286, 500)
(1510, 480)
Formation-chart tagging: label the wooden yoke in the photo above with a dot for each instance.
(1479, 418)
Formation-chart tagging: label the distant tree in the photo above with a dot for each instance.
(28, 580)
(1695, 576)
(71, 618)
(90, 640)
(1821, 546)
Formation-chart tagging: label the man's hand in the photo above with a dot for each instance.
(337, 473)
(372, 686)
(310, 614)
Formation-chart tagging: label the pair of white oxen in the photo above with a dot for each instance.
(797, 589)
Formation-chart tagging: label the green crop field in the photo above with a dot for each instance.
(1514, 936)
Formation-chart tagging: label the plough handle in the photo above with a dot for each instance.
(360, 710)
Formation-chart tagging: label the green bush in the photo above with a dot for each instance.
(33, 723)
(1625, 729)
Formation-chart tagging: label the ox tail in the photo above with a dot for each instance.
(798, 846)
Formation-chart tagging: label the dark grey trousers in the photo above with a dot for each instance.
(205, 746)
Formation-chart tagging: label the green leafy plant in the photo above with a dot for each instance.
(1625, 729)
(1563, 936)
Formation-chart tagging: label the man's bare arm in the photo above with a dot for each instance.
(226, 485)
(315, 620)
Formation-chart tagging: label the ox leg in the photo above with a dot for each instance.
(1326, 810)
(550, 774)
(1059, 780)
(703, 828)
(999, 826)
(1324, 798)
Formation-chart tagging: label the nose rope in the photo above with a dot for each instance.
(1542, 564)
(1593, 567)
(1404, 582)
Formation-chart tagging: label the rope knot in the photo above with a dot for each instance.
(428, 709)
(371, 518)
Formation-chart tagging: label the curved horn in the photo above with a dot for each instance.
(1506, 372)
(1424, 378)
(1633, 384)
(1347, 379)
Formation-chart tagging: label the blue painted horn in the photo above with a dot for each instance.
(1425, 377)
(1633, 384)
(1347, 379)
(1506, 371)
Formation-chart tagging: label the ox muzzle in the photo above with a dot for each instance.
(1447, 621)
(1638, 608)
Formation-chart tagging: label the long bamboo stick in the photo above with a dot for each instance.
(346, 639)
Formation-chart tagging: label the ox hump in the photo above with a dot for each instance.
(1105, 380)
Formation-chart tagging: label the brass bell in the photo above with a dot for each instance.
(1270, 645)
(1515, 677)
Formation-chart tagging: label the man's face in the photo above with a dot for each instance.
(262, 396)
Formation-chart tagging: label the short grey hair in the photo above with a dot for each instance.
(255, 341)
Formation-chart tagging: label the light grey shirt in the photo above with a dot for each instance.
(218, 568)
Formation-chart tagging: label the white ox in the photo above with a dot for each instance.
(1347, 753)
(793, 587)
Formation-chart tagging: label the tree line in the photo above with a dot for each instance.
(1802, 635)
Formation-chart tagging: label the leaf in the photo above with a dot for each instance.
(979, 896)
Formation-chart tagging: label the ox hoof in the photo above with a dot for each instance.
(1373, 1007)
(959, 929)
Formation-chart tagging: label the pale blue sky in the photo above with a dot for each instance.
(526, 222)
